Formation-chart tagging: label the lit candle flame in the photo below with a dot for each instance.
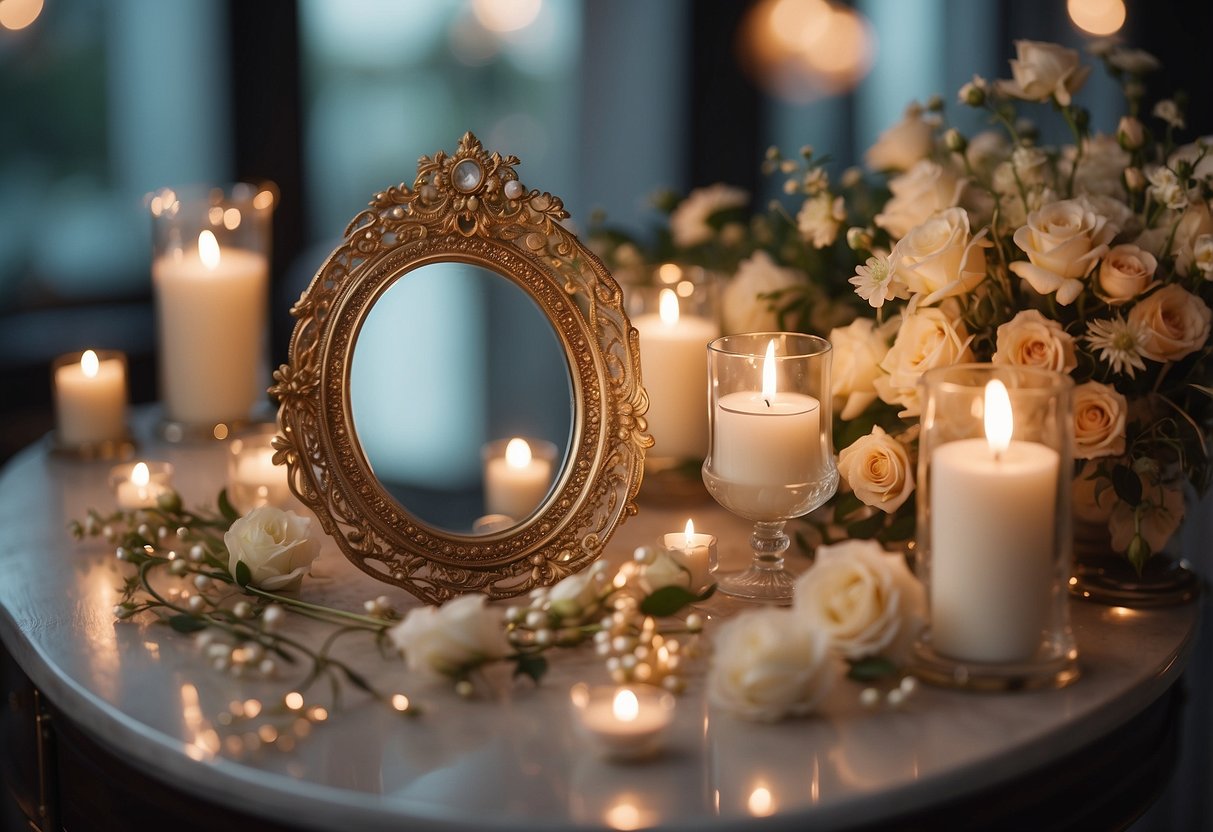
(140, 476)
(768, 373)
(208, 249)
(689, 534)
(667, 307)
(1000, 422)
(89, 365)
(517, 453)
(626, 706)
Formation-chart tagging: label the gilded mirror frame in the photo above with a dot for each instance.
(468, 207)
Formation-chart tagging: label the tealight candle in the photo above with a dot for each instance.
(253, 480)
(516, 481)
(90, 398)
(992, 527)
(697, 552)
(140, 484)
(624, 723)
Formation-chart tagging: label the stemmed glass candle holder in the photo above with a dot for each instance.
(994, 526)
(770, 454)
(210, 275)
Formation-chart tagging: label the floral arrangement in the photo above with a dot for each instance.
(1092, 257)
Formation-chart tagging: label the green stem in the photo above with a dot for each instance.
(365, 620)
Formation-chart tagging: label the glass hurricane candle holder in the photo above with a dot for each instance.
(253, 480)
(210, 276)
(994, 533)
(675, 315)
(770, 453)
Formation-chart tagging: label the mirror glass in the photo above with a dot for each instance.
(452, 362)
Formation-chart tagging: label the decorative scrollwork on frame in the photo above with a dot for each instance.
(467, 207)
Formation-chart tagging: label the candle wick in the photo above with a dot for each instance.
(997, 457)
(768, 401)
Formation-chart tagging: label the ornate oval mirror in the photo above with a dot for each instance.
(454, 315)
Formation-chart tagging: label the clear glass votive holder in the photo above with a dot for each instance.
(622, 723)
(994, 533)
(210, 278)
(141, 484)
(253, 480)
(696, 552)
(518, 475)
(90, 391)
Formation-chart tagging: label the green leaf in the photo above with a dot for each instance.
(667, 601)
(1127, 484)
(871, 669)
(532, 665)
(244, 575)
(845, 505)
(186, 623)
(227, 509)
(867, 528)
(902, 527)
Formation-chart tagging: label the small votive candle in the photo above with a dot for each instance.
(140, 484)
(253, 480)
(517, 476)
(90, 398)
(623, 723)
(697, 552)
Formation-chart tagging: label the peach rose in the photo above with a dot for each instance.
(1176, 323)
(927, 339)
(1063, 240)
(855, 365)
(877, 468)
(1032, 340)
(1099, 421)
(1126, 272)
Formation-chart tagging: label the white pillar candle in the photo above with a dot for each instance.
(516, 483)
(90, 400)
(675, 375)
(765, 442)
(694, 551)
(211, 307)
(992, 528)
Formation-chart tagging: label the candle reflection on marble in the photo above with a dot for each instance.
(623, 723)
(253, 480)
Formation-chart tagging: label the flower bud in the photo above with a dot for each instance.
(1131, 134)
(1135, 180)
(859, 239)
(169, 501)
(972, 94)
(935, 104)
(955, 141)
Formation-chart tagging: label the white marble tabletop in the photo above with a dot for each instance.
(509, 759)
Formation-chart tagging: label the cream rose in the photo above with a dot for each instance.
(579, 592)
(903, 144)
(855, 364)
(1099, 421)
(927, 339)
(689, 222)
(1041, 71)
(1032, 340)
(939, 258)
(1063, 240)
(919, 192)
(663, 570)
(452, 639)
(1176, 323)
(877, 468)
(865, 598)
(1126, 271)
(1162, 513)
(767, 664)
(744, 309)
(1194, 224)
(277, 546)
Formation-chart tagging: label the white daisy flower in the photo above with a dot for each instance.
(1119, 342)
(876, 282)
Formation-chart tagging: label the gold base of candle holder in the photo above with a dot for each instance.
(109, 450)
(1112, 580)
(1035, 674)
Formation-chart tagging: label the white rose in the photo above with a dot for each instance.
(1063, 241)
(927, 339)
(662, 571)
(1099, 421)
(578, 592)
(1194, 224)
(1163, 512)
(1202, 255)
(877, 468)
(689, 221)
(919, 192)
(767, 665)
(1044, 70)
(939, 258)
(744, 310)
(865, 598)
(1032, 340)
(1176, 323)
(1126, 271)
(855, 364)
(819, 219)
(451, 639)
(277, 547)
(903, 144)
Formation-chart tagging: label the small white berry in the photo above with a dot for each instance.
(162, 533)
(200, 581)
(612, 664)
(895, 697)
(628, 662)
(108, 533)
(536, 619)
(267, 667)
(273, 615)
(220, 663)
(603, 648)
(196, 603)
(121, 611)
(145, 531)
(464, 688)
(908, 685)
(543, 637)
(869, 697)
(694, 622)
(121, 553)
(242, 609)
(182, 531)
(197, 552)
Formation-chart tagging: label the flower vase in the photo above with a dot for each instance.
(1105, 576)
